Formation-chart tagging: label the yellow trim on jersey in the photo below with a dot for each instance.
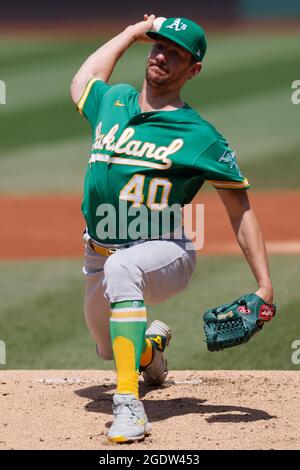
(230, 184)
(85, 94)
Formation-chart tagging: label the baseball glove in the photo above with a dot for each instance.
(235, 323)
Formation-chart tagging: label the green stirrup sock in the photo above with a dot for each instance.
(128, 324)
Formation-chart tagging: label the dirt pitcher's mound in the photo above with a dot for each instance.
(195, 410)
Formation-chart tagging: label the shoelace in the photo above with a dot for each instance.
(128, 405)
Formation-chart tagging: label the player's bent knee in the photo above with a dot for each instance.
(116, 267)
(122, 279)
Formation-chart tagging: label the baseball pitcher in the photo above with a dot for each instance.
(151, 151)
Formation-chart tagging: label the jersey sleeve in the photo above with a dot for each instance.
(91, 99)
(218, 165)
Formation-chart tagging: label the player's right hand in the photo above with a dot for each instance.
(139, 29)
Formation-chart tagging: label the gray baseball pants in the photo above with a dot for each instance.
(151, 271)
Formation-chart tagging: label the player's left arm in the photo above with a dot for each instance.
(249, 237)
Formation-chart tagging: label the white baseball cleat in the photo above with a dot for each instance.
(156, 372)
(130, 420)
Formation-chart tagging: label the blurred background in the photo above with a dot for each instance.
(245, 90)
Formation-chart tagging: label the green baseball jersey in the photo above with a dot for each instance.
(152, 159)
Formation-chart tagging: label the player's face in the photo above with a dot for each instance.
(169, 65)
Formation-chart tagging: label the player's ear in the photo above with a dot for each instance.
(196, 68)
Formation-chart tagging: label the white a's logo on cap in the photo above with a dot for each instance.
(177, 25)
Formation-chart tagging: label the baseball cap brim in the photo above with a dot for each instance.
(154, 35)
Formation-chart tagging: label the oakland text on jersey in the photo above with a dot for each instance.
(136, 148)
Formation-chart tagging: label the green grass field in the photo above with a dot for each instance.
(43, 327)
(245, 90)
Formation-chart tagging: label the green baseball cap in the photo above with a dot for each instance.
(186, 33)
